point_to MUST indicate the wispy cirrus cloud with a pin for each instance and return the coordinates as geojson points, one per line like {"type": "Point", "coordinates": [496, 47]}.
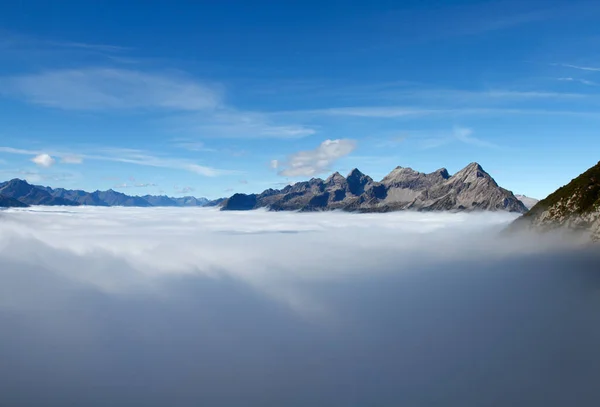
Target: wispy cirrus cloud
{"type": "Point", "coordinates": [197, 146]}
{"type": "Point", "coordinates": [229, 123]}
{"type": "Point", "coordinates": [458, 134]}
{"type": "Point", "coordinates": [582, 81]}
{"type": "Point", "coordinates": [112, 88]}
{"type": "Point", "coordinates": [200, 106]}
{"type": "Point", "coordinates": [580, 67]}
{"type": "Point", "coordinates": [141, 157]}
{"type": "Point", "coordinates": [11, 39]}
{"type": "Point", "coordinates": [128, 156]}
{"type": "Point", "coordinates": [313, 162]}
{"type": "Point", "coordinates": [395, 112]}
{"type": "Point", "coordinates": [39, 176]}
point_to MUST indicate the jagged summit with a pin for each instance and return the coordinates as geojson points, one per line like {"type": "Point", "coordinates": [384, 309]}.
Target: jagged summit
{"type": "Point", "coordinates": [355, 173]}
{"type": "Point", "coordinates": [403, 188]}
{"type": "Point", "coordinates": [474, 166]}
{"type": "Point", "coordinates": [335, 177]}
{"type": "Point", "coordinates": [443, 173]}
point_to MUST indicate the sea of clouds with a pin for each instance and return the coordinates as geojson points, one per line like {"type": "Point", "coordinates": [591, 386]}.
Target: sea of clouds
{"type": "Point", "coordinates": [193, 306]}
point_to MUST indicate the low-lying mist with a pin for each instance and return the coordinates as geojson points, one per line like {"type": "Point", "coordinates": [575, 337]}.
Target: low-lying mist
{"type": "Point", "coordinates": [196, 307]}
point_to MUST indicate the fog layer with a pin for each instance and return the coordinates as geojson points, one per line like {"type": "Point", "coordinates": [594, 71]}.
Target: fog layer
{"type": "Point", "coordinates": [190, 306]}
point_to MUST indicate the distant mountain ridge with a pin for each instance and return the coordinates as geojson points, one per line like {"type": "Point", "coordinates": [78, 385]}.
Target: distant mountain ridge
{"type": "Point", "coordinates": [527, 201]}
{"type": "Point", "coordinates": [575, 206]}
{"type": "Point", "coordinates": [20, 191]}
{"type": "Point", "coordinates": [402, 189]}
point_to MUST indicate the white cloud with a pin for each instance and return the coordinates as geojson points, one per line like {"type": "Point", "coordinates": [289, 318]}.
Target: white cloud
{"type": "Point", "coordinates": [203, 299]}
{"type": "Point", "coordinates": [174, 242]}
{"type": "Point", "coordinates": [107, 88]}
{"type": "Point", "coordinates": [582, 68]}
{"type": "Point", "coordinates": [43, 160]}
{"type": "Point", "coordinates": [317, 161]}
{"type": "Point", "coordinates": [274, 164]}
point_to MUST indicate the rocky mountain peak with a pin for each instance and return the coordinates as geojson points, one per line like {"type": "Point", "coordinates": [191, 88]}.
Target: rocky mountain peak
{"type": "Point", "coordinates": [17, 184]}
{"type": "Point", "coordinates": [335, 178]}
{"type": "Point", "coordinates": [471, 173]}
{"type": "Point", "coordinates": [443, 172]}
{"type": "Point", "coordinates": [402, 189]}
{"type": "Point", "coordinates": [398, 174]}
{"type": "Point", "coordinates": [355, 173]}
{"type": "Point", "coordinates": [357, 181]}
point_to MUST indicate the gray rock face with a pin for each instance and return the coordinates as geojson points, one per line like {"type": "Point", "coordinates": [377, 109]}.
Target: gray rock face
{"type": "Point", "coordinates": [404, 188]}
{"type": "Point", "coordinates": [573, 207]}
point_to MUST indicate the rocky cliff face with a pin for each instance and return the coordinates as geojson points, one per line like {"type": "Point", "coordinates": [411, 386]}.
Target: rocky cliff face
{"type": "Point", "coordinates": [404, 188]}
{"type": "Point", "coordinates": [575, 207]}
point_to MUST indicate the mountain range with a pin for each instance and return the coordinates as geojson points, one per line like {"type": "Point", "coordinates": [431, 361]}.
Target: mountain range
{"type": "Point", "coordinates": [527, 201]}
{"type": "Point", "coordinates": [402, 189]}
{"type": "Point", "coordinates": [16, 192]}
{"type": "Point", "coordinates": [575, 207]}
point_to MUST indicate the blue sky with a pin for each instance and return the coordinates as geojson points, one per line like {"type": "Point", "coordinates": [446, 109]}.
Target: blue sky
{"type": "Point", "coordinates": [206, 98]}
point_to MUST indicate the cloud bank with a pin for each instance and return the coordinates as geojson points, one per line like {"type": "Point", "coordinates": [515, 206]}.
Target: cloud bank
{"type": "Point", "coordinates": [192, 306]}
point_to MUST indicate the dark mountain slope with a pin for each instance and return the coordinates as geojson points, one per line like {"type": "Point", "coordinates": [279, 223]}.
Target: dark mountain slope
{"type": "Point", "coordinates": [575, 206]}
{"type": "Point", "coordinates": [30, 194]}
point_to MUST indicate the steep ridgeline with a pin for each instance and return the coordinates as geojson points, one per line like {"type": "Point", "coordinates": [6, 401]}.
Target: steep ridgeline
{"type": "Point", "coordinates": [30, 194]}
{"type": "Point", "coordinates": [39, 195]}
{"type": "Point", "coordinates": [469, 189]}
{"type": "Point", "coordinates": [575, 206]}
